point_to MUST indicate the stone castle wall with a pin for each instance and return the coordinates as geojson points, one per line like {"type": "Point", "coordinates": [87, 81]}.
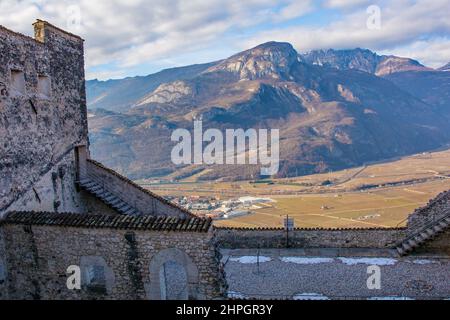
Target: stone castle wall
{"type": "Point", "coordinates": [43, 127]}
{"type": "Point", "coordinates": [38, 257]}
{"type": "Point", "coordinates": [42, 119]}
{"type": "Point", "coordinates": [54, 191]}
{"type": "Point", "coordinates": [42, 112]}
{"type": "Point", "coordinates": [137, 197]}
{"type": "Point", "coordinates": [93, 205]}
{"type": "Point", "coordinates": [435, 210]}
{"type": "Point", "coordinates": [309, 238]}
{"type": "Point", "coordinates": [44, 152]}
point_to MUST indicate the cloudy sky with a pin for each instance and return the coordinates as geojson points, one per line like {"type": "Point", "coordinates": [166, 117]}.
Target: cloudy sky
{"type": "Point", "coordinates": [138, 37]}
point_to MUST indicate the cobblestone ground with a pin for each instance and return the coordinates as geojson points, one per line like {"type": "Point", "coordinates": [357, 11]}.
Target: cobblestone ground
{"type": "Point", "coordinates": [285, 276]}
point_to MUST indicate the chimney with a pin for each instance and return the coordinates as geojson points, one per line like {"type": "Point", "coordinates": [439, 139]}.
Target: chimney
{"type": "Point", "coordinates": [44, 31]}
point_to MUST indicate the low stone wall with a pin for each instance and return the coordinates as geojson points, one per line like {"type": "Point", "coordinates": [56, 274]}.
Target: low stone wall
{"type": "Point", "coordinates": [137, 197]}
{"type": "Point", "coordinates": [309, 238]}
{"type": "Point", "coordinates": [38, 256]}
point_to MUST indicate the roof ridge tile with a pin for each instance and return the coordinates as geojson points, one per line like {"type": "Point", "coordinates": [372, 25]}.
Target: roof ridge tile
{"type": "Point", "coordinates": [91, 221]}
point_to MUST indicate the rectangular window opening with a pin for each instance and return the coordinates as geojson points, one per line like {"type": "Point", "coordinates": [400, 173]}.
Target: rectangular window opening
{"type": "Point", "coordinates": [44, 86]}
{"type": "Point", "coordinates": [18, 82]}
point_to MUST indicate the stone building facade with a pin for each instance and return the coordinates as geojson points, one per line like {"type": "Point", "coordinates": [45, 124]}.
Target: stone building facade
{"type": "Point", "coordinates": [59, 208]}
{"type": "Point", "coordinates": [130, 253]}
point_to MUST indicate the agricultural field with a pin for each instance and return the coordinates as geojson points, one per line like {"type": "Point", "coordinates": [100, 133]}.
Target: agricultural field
{"type": "Point", "coordinates": [376, 195]}
{"type": "Point", "coordinates": [387, 207]}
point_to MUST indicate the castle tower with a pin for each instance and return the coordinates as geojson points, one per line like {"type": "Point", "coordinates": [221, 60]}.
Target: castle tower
{"type": "Point", "coordinates": [44, 154]}
{"type": "Point", "coordinates": [43, 118]}
{"type": "Point", "coordinates": [45, 168]}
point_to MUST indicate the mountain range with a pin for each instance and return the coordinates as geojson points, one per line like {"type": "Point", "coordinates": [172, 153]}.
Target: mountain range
{"type": "Point", "coordinates": [334, 108]}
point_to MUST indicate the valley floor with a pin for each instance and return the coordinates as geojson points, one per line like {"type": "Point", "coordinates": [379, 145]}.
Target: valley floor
{"type": "Point", "coordinates": [384, 207]}
{"type": "Point", "coordinates": [376, 195]}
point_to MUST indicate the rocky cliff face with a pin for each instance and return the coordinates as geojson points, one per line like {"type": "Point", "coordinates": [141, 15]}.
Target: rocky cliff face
{"type": "Point", "coordinates": [391, 64]}
{"type": "Point", "coordinates": [120, 95]}
{"type": "Point", "coordinates": [167, 93]}
{"type": "Point", "coordinates": [363, 60]}
{"type": "Point", "coordinates": [332, 108]}
{"type": "Point", "coordinates": [359, 59]}
{"type": "Point", "coordinates": [271, 60]}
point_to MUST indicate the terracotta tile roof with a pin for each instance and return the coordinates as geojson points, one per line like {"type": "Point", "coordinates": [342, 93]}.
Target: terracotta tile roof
{"type": "Point", "coordinates": [123, 222]}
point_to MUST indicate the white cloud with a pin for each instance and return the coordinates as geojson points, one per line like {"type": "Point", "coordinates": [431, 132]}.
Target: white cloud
{"type": "Point", "coordinates": [294, 9]}
{"type": "Point", "coordinates": [344, 3]}
{"type": "Point", "coordinates": [110, 74]}
{"type": "Point", "coordinates": [432, 52]}
{"type": "Point", "coordinates": [124, 34]}
{"type": "Point", "coordinates": [128, 33]}
{"type": "Point", "coordinates": [402, 24]}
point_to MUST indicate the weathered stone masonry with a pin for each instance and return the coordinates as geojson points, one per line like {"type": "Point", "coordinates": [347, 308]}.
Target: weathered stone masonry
{"type": "Point", "coordinates": [139, 198]}
{"type": "Point", "coordinates": [41, 246]}
{"type": "Point", "coordinates": [44, 143]}
{"type": "Point", "coordinates": [42, 112]}
{"type": "Point", "coordinates": [428, 228]}
{"type": "Point", "coordinates": [309, 238]}
{"type": "Point", "coordinates": [76, 211]}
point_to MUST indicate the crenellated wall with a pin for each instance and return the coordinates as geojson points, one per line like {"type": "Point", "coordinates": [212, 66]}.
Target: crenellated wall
{"type": "Point", "coordinates": [42, 114]}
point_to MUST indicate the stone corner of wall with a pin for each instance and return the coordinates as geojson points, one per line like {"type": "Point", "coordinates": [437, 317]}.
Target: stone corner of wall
{"type": "Point", "coordinates": [42, 30]}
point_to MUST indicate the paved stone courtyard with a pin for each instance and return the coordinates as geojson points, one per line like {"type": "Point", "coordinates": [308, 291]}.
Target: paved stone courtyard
{"type": "Point", "coordinates": [331, 274]}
